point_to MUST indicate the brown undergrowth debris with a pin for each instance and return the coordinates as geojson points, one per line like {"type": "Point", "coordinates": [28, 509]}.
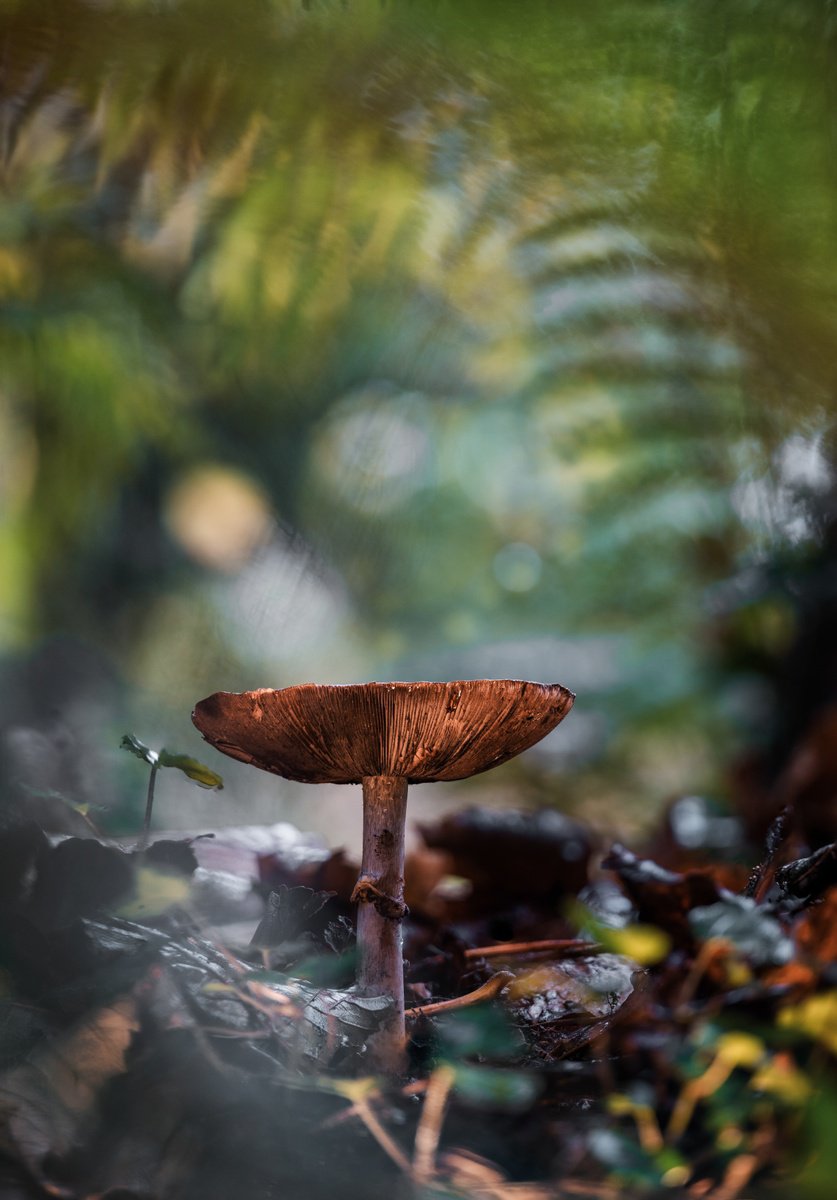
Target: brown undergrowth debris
{"type": "Point", "coordinates": [688, 1050]}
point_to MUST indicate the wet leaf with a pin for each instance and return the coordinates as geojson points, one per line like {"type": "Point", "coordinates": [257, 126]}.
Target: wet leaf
{"type": "Point", "coordinates": [595, 987]}
{"type": "Point", "coordinates": [662, 898]}
{"type": "Point", "coordinates": [288, 916]}
{"type": "Point", "coordinates": [738, 920]}
{"type": "Point", "coordinates": [340, 935]}
{"type": "Point", "coordinates": [316, 1022]}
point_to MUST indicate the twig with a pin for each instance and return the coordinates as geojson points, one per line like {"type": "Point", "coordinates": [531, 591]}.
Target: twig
{"type": "Point", "coordinates": [430, 1126]}
{"type": "Point", "coordinates": [488, 990]}
{"type": "Point", "coordinates": [736, 1177]}
{"type": "Point", "coordinates": [367, 1114]}
{"type": "Point", "coordinates": [566, 946]}
{"type": "Point", "coordinates": [711, 949]}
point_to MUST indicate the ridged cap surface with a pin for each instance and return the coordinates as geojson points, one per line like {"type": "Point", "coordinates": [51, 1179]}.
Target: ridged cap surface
{"type": "Point", "coordinates": [421, 731]}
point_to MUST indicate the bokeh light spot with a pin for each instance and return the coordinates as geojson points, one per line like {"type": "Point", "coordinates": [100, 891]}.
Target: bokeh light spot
{"type": "Point", "coordinates": [219, 516]}
{"type": "Point", "coordinates": [374, 450]}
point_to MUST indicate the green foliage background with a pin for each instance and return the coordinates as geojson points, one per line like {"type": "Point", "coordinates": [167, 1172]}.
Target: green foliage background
{"type": "Point", "coordinates": [518, 320]}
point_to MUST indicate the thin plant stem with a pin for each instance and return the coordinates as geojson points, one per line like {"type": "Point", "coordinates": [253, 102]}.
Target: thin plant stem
{"type": "Point", "coordinates": [149, 805]}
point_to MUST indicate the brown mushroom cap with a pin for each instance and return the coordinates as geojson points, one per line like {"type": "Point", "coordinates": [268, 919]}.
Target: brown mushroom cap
{"type": "Point", "coordinates": [419, 731]}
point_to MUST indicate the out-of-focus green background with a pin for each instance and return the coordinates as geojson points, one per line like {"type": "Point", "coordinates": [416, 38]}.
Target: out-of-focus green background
{"type": "Point", "coordinates": [368, 340]}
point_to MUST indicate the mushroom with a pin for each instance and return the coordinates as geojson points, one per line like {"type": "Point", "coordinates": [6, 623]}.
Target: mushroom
{"type": "Point", "coordinates": [383, 736]}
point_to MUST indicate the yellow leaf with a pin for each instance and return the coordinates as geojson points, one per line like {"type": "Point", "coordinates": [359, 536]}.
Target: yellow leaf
{"type": "Point", "coordinates": [816, 1017]}
{"type": "Point", "coordinates": [154, 892]}
{"type": "Point", "coordinates": [740, 1050]}
{"type": "Point", "coordinates": [645, 944]}
{"type": "Point", "coordinates": [783, 1078]}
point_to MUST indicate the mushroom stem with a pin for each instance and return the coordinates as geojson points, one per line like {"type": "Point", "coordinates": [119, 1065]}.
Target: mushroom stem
{"type": "Point", "coordinates": [380, 898]}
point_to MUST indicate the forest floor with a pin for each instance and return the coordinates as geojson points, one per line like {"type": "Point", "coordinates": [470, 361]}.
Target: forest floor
{"type": "Point", "coordinates": [583, 1021]}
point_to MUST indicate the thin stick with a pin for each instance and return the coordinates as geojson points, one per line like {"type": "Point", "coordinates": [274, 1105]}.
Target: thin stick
{"type": "Point", "coordinates": [370, 1119]}
{"type": "Point", "coordinates": [430, 1126]}
{"type": "Point", "coordinates": [566, 946]}
{"type": "Point", "coordinates": [710, 950]}
{"type": "Point", "coordinates": [488, 990]}
{"type": "Point", "coordinates": [360, 1095]}
{"type": "Point", "coordinates": [409, 1089]}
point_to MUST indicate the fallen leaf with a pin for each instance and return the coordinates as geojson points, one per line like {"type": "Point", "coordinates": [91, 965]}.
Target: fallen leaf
{"type": "Point", "coordinates": [513, 854]}
{"type": "Point", "coordinates": [45, 1100]}
{"type": "Point", "coordinates": [77, 878]}
{"type": "Point", "coordinates": [816, 1017]}
{"type": "Point", "coordinates": [594, 987]}
{"type": "Point", "coordinates": [154, 893]}
{"type": "Point", "coordinates": [288, 916]}
{"type": "Point", "coordinates": [662, 898]}
{"type": "Point", "coordinates": [756, 935]}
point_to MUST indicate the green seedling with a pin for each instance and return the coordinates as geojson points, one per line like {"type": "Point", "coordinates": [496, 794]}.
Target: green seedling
{"type": "Point", "coordinates": [191, 768]}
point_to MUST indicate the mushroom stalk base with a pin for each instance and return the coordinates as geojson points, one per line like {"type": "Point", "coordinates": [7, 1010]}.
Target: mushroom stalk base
{"type": "Point", "coordinates": [380, 898]}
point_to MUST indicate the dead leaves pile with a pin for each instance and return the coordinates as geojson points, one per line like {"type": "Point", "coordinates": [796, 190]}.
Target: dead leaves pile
{"type": "Point", "coordinates": [588, 1025]}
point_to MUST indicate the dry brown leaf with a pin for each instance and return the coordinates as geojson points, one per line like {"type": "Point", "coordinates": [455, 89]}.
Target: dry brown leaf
{"type": "Point", "coordinates": [44, 1100]}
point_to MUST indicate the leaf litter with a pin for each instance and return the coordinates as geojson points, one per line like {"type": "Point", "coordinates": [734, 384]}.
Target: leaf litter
{"type": "Point", "coordinates": [618, 1027]}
